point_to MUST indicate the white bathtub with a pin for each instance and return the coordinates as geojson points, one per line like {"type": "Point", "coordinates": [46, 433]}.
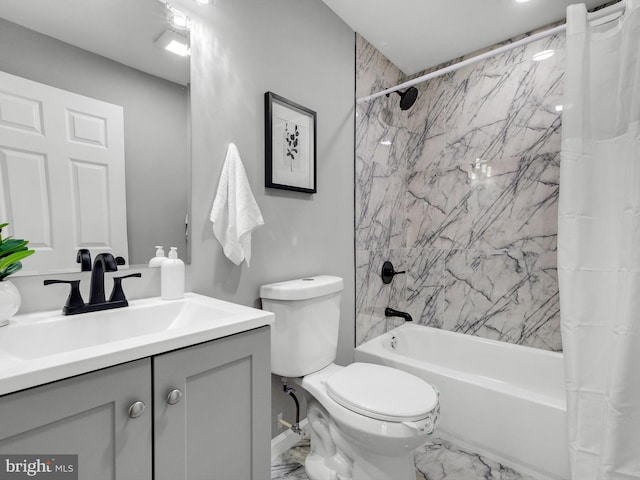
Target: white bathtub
{"type": "Point", "coordinates": [501, 400]}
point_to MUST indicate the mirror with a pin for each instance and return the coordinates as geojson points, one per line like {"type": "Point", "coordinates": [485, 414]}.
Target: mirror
{"type": "Point", "coordinates": [107, 50]}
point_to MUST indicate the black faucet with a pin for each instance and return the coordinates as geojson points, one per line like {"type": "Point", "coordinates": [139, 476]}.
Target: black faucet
{"type": "Point", "coordinates": [390, 312]}
{"type": "Point", "coordinates": [104, 262]}
{"type": "Point", "coordinates": [84, 259]}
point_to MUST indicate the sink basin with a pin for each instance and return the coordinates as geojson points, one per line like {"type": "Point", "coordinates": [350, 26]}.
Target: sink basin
{"type": "Point", "coordinates": [39, 335]}
{"type": "Point", "coordinates": [48, 346]}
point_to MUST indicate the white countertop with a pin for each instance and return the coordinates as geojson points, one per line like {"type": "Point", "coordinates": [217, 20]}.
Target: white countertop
{"type": "Point", "coordinates": [44, 347]}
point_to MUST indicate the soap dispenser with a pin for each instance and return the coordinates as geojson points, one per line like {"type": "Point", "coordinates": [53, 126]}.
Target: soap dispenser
{"type": "Point", "coordinates": [172, 277]}
{"type": "Point", "coordinates": [159, 258]}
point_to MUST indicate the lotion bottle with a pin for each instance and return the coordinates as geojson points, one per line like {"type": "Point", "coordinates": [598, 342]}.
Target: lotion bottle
{"type": "Point", "coordinates": [172, 277]}
{"type": "Point", "coordinates": [159, 258]}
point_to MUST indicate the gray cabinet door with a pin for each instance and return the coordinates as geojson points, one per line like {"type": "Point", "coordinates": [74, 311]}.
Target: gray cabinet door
{"type": "Point", "coordinates": [88, 416]}
{"type": "Point", "coordinates": [219, 429]}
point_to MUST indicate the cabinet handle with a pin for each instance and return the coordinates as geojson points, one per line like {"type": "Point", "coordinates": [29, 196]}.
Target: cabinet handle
{"type": "Point", "coordinates": [174, 397]}
{"type": "Point", "coordinates": [136, 409]}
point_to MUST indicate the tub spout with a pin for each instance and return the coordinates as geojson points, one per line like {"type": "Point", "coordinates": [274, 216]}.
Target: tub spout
{"type": "Point", "coordinates": [390, 312]}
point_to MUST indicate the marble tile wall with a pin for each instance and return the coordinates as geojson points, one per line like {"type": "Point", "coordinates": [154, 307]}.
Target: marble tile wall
{"type": "Point", "coordinates": [480, 254]}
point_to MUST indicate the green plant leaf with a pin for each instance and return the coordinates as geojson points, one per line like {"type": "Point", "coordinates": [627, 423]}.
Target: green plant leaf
{"type": "Point", "coordinates": [14, 257]}
{"type": "Point", "coordinates": [12, 251]}
{"type": "Point", "coordinates": [13, 268]}
{"type": "Point", "coordinates": [12, 245]}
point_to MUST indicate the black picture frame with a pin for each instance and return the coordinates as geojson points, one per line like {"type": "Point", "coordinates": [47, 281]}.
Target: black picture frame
{"type": "Point", "coordinates": [290, 145]}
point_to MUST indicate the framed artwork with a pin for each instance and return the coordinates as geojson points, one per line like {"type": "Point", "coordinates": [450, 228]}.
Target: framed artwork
{"type": "Point", "coordinates": [290, 145]}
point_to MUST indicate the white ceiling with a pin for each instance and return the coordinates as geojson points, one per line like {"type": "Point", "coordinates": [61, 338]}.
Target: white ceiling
{"type": "Point", "coordinates": [121, 30]}
{"type": "Point", "coordinates": [413, 34]}
{"type": "Point", "coordinates": [418, 34]}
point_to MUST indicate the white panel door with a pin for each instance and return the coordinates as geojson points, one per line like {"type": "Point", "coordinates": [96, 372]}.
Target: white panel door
{"type": "Point", "coordinates": [62, 173]}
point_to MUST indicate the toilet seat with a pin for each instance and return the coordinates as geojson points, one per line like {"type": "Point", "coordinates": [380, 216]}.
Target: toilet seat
{"type": "Point", "coordinates": [381, 392]}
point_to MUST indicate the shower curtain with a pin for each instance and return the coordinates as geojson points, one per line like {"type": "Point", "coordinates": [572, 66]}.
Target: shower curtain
{"type": "Point", "coordinates": [599, 244]}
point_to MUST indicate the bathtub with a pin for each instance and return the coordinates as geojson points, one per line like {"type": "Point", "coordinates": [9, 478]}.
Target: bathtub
{"type": "Point", "coordinates": [500, 400]}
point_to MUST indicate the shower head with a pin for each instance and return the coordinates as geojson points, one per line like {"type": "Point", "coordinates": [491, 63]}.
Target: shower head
{"type": "Point", "coordinates": [407, 98]}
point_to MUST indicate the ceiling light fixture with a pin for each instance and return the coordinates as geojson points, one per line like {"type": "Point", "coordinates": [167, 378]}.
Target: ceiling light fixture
{"type": "Point", "coordinates": [174, 42]}
{"type": "Point", "coordinates": [178, 48]}
{"type": "Point", "coordinates": [177, 19]}
{"type": "Point", "coordinates": [543, 55]}
{"type": "Point", "coordinates": [204, 2]}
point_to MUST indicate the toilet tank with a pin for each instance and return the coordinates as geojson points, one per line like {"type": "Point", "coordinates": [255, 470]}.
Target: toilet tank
{"type": "Point", "coordinates": [304, 337]}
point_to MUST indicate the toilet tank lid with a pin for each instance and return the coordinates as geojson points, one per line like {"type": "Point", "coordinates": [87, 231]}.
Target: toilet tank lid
{"type": "Point", "coordinates": [302, 288]}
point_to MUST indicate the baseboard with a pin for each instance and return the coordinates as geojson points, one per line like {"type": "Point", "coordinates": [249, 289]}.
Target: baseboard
{"type": "Point", "coordinates": [286, 440]}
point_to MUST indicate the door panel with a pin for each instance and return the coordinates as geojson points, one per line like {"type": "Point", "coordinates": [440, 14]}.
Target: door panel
{"type": "Point", "coordinates": [220, 428]}
{"type": "Point", "coordinates": [72, 183]}
{"type": "Point", "coordinates": [85, 416]}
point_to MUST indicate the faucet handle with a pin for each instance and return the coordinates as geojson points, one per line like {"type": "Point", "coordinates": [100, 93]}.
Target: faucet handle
{"type": "Point", "coordinates": [117, 294]}
{"type": "Point", "coordinates": [388, 272]}
{"type": "Point", "coordinates": [74, 301]}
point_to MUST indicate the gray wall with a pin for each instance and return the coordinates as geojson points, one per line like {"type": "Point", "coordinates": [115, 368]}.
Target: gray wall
{"type": "Point", "coordinates": [156, 129]}
{"type": "Point", "coordinates": [300, 50]}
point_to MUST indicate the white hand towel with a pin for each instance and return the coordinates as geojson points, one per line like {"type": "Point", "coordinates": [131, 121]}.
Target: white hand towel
{"type": "Point", "coordinates": [235, 213]}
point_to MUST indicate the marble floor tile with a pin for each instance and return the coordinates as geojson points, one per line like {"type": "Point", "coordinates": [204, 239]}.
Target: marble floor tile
{"type": "Point", "coordinates": [440, 460]}
{"type": "Point", "coordinates": [290, 465]}
{"type": "Point", "coordinates": [435, 460]}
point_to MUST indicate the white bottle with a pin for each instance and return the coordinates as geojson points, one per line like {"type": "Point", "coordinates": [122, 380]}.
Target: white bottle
{"type": "Point", "coordinates": [172, 277]}
{"type": "Point", "coordinates": [159, 258]}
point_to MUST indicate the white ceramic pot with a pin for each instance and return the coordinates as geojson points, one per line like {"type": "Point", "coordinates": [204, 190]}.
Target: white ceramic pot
{"type": "Point", "coordinates": [9, 301]}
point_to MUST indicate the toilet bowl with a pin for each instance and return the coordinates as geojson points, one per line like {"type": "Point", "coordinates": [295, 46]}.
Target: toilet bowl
{"type": "Point", "coordinates": [365, 419]}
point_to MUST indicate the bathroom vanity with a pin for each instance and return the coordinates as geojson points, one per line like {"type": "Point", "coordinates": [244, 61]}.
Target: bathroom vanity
{"type": "Point", "coordinates": [190, 399]}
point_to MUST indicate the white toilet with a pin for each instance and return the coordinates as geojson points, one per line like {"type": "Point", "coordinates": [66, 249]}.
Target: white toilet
{"type": "Point", "coordinates": [365, 419]}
